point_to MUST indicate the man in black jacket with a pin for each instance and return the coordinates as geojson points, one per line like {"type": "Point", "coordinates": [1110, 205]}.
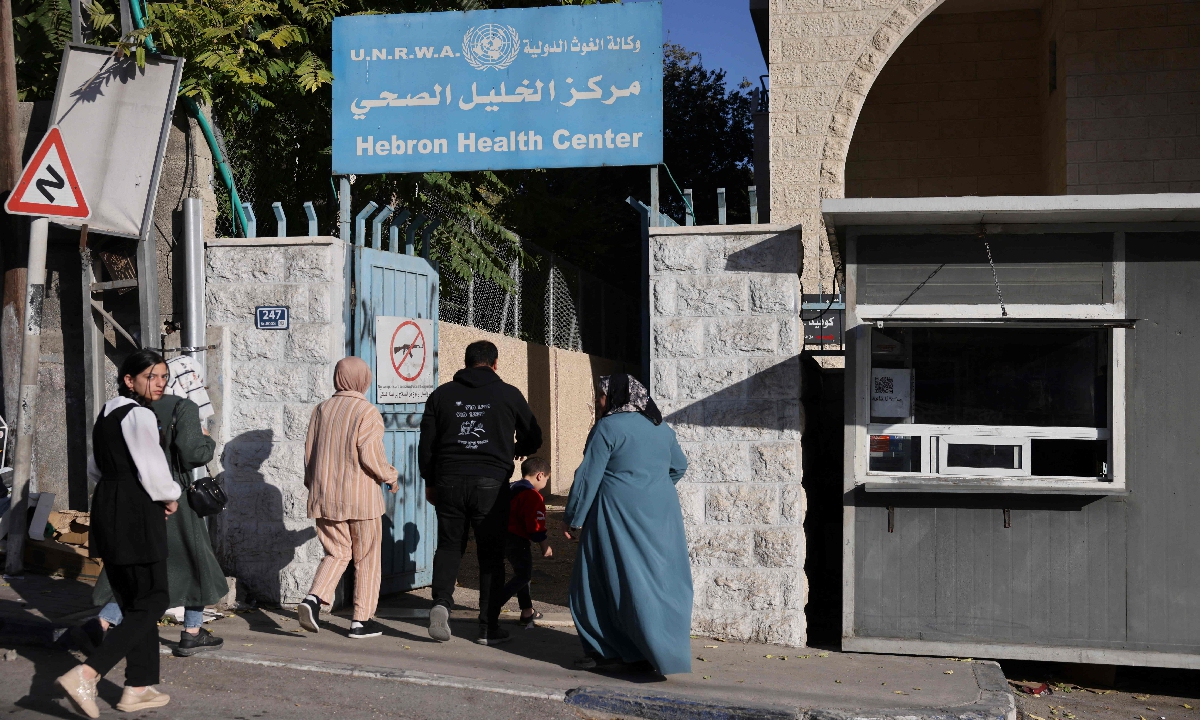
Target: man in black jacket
{"type": "Point", "coordinates": [466, 457]}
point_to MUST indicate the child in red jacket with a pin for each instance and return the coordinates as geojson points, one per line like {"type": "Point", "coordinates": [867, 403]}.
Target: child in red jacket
{"type": "Point", "coordinates": [526, 523]}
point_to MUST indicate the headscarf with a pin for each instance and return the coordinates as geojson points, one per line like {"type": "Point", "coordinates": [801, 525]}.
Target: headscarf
{"type": "Point", "coordinates": [626, 394]}
{"type": "Point", "coordinates": [353, 374]}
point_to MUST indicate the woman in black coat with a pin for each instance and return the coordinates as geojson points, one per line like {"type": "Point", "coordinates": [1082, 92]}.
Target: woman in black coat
{"type": "Point", "coordinates": [134, 495]}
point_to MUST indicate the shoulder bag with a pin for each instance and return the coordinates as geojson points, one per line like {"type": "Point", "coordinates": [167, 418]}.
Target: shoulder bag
{"type": "Point", "coordinates": [205, 496]}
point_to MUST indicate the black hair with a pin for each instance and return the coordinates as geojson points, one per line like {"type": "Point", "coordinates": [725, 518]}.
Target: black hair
{"type": "Point", "coordinates": [135, 364]}
{"type": "Point", "coordinates": [533, 465]}
{"type": "Point", "coordinates": [481, 352]}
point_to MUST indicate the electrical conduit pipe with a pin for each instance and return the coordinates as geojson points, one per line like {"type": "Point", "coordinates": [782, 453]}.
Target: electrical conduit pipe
{"type": "Point", "coordinates": [139, 20]}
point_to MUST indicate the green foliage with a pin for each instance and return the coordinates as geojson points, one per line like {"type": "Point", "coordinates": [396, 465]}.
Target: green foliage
{"type": "Point", "coordinates": [41, 30]}
{"type": "Point", "coordinates": [708, 138]}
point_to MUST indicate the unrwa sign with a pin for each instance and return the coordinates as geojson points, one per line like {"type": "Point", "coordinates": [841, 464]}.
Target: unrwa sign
{"type": "Point", "coordinates": [498, 89]}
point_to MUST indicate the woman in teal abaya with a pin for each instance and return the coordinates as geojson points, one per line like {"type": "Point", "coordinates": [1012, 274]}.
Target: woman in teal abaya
{"type": "Point", "coordinates": [631, 590]}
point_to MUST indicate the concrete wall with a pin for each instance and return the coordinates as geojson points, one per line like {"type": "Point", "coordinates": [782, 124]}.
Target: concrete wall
{"type": "Point", "coordinates": [265, 384]}
{"type": "Point", "coordinates": [725, 369]}
{"type": "Point", "coordinates": [559, 385]}
{"type": "Point", "coordinates": [956, 111]}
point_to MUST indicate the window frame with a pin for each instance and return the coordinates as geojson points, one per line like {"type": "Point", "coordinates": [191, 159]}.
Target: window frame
{"type": "Point", "coordinates": [862, 320]}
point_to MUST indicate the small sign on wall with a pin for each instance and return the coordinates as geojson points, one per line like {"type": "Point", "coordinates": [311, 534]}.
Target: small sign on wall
{"type": "Point", "coordinates": [891, 392]}
{"type": "Point", "coordinates": [403, 359]}
{"type": "Point", "coordinates": [272, 317]}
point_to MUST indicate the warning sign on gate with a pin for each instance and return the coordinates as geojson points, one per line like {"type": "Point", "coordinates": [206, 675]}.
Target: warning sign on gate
{"type": "Point", "coordinates": [404, 359]}
{"type": "Point", "coordinates": [48, 186]}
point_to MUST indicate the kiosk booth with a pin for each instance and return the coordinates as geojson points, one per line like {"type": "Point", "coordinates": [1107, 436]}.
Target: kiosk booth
{"type": "Point", "coordinates": [1022, 470]}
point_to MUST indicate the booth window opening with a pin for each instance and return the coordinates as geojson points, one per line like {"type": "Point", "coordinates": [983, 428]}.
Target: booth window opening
{"type": "Point", "coordinates": [990, 402]}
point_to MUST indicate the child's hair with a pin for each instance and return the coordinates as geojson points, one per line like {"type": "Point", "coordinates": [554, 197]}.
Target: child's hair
{"type": "Point", "coordinates": [534, 465]}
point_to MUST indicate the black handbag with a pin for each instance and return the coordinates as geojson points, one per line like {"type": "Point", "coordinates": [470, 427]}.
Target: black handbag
{"type": "Point", "coordinates": [204, 495]}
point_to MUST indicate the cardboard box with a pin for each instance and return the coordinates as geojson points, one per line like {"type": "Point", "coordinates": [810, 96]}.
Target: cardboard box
{"type": "Point", "coordinates": [49, 557]}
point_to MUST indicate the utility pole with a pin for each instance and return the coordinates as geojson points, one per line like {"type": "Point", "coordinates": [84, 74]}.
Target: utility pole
{"type": "Point", "coordinates": [12, 305]}
{"type": "Point", "coordinates": [30, 352]}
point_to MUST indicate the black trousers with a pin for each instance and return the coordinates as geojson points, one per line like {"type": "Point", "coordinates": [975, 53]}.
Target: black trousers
{"type": "Point", "coordinates": [141, 591]}
{"type": "Point", "coordinates": [480, 504]}
{"type": "Point", "coordinates": [520, 557]}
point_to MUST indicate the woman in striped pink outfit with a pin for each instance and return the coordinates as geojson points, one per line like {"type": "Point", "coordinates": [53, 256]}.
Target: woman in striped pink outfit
{"type": "Point", "coordinates": [344, 466]}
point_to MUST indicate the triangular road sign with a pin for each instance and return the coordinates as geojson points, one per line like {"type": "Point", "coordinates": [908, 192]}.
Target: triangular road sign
{"type": "Point", "coordinates": [48, 187]}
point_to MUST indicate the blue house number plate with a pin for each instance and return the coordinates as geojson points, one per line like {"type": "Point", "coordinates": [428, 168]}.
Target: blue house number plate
{"type": "Point", "coordinates": [271, 317]}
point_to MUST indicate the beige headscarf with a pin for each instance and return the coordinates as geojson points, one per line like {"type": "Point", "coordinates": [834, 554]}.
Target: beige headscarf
{"type": "Point", "coordinates": [352, 373]}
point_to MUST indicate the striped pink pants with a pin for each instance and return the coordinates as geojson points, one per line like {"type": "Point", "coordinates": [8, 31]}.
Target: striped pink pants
{"type": "Point", "coordinates": [343, 540]}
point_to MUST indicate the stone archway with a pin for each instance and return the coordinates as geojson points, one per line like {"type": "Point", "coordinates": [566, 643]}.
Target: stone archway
{"type": "Point", "coordinates": [824, 57]}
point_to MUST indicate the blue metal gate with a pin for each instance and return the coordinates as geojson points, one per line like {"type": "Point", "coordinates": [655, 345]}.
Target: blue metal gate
{"type": "Point", "coordinates": [386, 282]}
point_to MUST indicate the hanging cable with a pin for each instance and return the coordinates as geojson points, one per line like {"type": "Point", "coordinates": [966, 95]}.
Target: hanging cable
{"type": "Point", "coordinates": [223, 169]}
{"type": "Point", "coordinates": [995, 279]}
{"type": "Point", "coordinates": [688, 205]}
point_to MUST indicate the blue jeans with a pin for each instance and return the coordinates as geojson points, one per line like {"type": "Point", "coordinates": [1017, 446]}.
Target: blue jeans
{"type": "Point", "coordinates": [193, 617]}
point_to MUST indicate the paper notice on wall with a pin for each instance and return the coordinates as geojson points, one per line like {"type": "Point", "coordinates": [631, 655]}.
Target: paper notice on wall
{"type": "Point", "coordinates": [891, 392]}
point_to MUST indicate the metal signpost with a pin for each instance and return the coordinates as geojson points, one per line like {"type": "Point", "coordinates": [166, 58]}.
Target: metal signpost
{"type": "Point", "coordinates": [498, 89]}
{"type": "Point", "coordinates": [47, 188]}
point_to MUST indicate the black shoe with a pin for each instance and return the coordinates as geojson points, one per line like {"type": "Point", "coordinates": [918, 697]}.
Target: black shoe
{"type": "Point", "coordinates": [308, 613]}
{"type": "Point", "coordinates": [190, 644]}
{"type": "Point", "coordinates": [492, 635]}
{"type": "Point", "coordinates": [368, 629]}
{"type": "Point", "coordinates": [89, 636]}
{"type": "Point", "coordinates": [527, 621]}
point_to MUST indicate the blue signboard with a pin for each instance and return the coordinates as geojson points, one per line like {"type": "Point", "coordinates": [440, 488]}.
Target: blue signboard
{"type": "Point", "coordinates": [272, 317]}
{"type": "Point", "coordinates": [498, 89]}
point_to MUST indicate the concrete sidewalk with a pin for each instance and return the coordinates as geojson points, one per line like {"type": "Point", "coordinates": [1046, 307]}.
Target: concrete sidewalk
{"type": "Point", "coordinates": [729, 680]}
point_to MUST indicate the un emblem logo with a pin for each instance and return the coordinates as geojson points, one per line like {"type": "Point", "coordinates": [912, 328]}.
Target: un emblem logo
{"type": "Point", "coordinates": [490, 46]}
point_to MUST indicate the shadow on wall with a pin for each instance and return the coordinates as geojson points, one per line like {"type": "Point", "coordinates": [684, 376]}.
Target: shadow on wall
{"type": "Point", "coordinates": [768, 399]}
{"type": "Point", "coordinates": [777, 254]}
{"type": "Point", "coordinates": [252, 540]}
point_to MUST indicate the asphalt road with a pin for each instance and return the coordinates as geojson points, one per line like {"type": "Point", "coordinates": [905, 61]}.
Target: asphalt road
{"type": "Point", "coordinates": [1130, 694]}
{"type": "Point", "coordinates": [204, 689]}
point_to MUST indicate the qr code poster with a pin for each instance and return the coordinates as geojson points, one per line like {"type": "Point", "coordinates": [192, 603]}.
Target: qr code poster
{"type": "Point", "coordinates": [404, 355]}
{"type": "Point", "coordinates": [891, 392]}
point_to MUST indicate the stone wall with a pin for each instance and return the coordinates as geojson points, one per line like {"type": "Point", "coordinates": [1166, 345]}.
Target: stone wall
{"type": "Point", "coordinates": [265, 384]}
{"type": "Point", "coordinates": [725, 369]}
{"type": "Point", "coordinates": [956, 111]}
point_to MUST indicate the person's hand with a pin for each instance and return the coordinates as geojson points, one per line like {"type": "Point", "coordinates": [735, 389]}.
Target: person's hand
{"type": "Point", "coordinates": [170, 507]}
{"type": "Point", "coordinates": [520, 458]}
{"type": "Point", "coordinates": [394, 486]}
{"type": "Point", "coordinates": [547, 551]}
{"type": "Point", "coordinates": [431, 495]}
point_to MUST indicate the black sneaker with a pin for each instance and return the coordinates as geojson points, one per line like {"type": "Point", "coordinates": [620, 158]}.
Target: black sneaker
{"type": "Point", "coordinates": [492, 635]}
{"type": "Point", "coordinates": [367, 630]}
{"type": "Point", "coordinates": [190, 644]}
{"type": "Point", "coordinates": [89, 636]}
{"type": "Point", "coordinates": [308, 612]}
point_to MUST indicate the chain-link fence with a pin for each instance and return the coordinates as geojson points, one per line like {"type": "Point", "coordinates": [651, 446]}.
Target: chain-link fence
{"type": "Point", "coordinates": [552, 302]}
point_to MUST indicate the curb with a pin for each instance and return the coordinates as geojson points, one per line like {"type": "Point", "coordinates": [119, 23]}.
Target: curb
{"type": "Point", "coordinates": [995, 700]}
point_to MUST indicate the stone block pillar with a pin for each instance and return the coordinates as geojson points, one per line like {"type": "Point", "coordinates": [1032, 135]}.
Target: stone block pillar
{"type": "Point", "coordinates": [264, 385]}
{"type": "Point", "coordinates": [725, 344]}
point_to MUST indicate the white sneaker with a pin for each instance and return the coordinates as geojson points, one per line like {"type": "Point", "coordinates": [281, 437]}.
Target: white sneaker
{"type": "Point", "coordinates": [439, 623]}
{"type": "Point", "coordinates": [145, 700]}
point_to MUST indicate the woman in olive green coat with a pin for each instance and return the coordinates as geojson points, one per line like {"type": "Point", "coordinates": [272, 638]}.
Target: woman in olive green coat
{"type": "Point", "coordinates": [194, 576]}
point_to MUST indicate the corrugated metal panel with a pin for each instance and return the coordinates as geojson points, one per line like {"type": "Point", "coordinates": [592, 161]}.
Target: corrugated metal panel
{"type": "Point", "coordinates": [1052, 269]}
{"type": "Point", "coordinates": [391, 284]}
{"type": "Point", "coordinates": [1163, 277]}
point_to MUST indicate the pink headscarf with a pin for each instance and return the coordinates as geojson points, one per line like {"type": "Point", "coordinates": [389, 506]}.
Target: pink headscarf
{"type": "Point", "coordinates": [352, 373]}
